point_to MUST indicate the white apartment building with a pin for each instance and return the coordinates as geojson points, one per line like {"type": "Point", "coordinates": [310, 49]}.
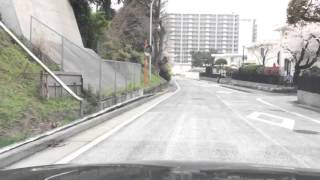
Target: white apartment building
{"type": "Point", "coordinates": [201, 32]}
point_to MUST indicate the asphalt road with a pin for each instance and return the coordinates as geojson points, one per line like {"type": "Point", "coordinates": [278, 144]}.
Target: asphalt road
{"type": "Point", "coordinates": [202, 121]}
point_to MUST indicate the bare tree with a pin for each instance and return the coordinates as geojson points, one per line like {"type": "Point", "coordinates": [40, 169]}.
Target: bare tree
{"type": "Point", "coordinates": [263, 51]}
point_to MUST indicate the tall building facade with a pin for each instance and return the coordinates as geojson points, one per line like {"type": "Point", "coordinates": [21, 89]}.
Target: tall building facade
{"type": "Point", "coordinates": [247, 32]}
{"type": "Point", "coordinates": [202, 32]}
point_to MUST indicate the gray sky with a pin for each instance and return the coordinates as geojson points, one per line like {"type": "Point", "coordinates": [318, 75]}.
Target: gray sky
{"type": "Point", "coordinates": [269, 13]}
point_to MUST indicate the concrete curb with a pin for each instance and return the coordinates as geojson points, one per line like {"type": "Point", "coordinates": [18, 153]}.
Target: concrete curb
{"type": "Point", "coordinates": [308, 107]}
{"type": "Point", "coordinates": [19, 151]}
{"type": "Point", "coordinates": [253, 86]}
{"type": "Point", "coordinates": [268, 89]}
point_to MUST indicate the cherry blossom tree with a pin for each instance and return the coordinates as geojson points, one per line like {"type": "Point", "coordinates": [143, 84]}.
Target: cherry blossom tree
{"type": "Point", "coordinates": [302, 41]}
{"type": "Point", "coordinates": [303, 10]}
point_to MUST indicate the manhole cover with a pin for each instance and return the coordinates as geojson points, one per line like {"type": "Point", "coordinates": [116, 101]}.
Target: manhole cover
{"type": "Point", "coordinates": [306, 131]}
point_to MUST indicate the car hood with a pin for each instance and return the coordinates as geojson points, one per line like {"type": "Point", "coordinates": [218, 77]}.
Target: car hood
{"type": "Point", "coordinates": [158, 170]}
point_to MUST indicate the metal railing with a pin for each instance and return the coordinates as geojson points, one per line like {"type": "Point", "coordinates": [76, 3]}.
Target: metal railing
{"type": "Point", "coordinates": [43, 66]}
{"type": "Point", "coordinates": [104, 78]}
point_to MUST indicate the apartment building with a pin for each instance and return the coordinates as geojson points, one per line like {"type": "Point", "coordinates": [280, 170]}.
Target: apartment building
{"type": "Point", "coordinates": [201, 32]}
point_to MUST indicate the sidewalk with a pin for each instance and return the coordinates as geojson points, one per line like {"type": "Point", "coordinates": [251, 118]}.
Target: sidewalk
{"type": "Point", "coordinates": [254, 85]}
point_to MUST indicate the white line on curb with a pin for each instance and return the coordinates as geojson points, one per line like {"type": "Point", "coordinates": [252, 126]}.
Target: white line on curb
{"type": "Point", "coordinates": [98, 140]}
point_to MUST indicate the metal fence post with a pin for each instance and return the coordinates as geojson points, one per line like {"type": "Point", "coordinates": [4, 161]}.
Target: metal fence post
{"type": "Point", "coordinates": [81, 108]}
{"type": "Point", "coordinates": [133, 77]}
{"type": "Point", "coordinates": [31, 20]}
{"type": "Point", "coordinates": [115, 82]}
{"type": "Point", "coordinates": [62, 53]}
{"type": "Point", "coordinates": [100, 84]}
{"type": "Point", "coordinates": [126, 79]}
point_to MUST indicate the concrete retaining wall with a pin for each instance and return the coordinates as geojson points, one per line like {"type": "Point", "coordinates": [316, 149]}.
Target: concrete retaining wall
{"type": "Point", "coordinates": [9, 16]}
{"type": "Point", "coordinates": [57, 14]}
{"type": "Point", "coordinates": [308, 98]}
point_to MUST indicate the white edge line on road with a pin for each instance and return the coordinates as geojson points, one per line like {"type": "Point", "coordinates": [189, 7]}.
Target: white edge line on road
{"type": "Point", "coordinates": [264, 134]}
{"type": "Point", "coordinates": [213, 84]}
{"type": "Point", "coordinates": [103, 137]}
{"type": "Point", "coordinates": [287, 111]}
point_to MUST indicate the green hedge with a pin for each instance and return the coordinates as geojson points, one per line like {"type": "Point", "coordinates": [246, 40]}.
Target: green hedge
{"type": "Point", "coordinates": [251, 69]}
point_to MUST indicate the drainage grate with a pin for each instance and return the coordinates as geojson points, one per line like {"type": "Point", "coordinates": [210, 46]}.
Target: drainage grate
{"type": "Point", "coordinates": [306, 131]}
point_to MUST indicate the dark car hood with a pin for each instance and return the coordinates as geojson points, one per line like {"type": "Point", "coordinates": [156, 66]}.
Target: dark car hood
{"type": "Point", "coordinates": [159, 170]}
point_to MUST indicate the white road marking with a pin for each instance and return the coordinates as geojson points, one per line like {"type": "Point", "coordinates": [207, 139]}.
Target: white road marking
{"type": "Point", "coordinates": [207, 85]}
{"type": "Point", "coordinates": [287, 111]}
{"type": "Point", "coordinates": [272, 140]}
{"type": "Point", "coordinates": [98, 140]}
{"type": "Point", "coordinates": [224, 92]}
{"type": "Point", "coordinates": [284, 122]}
{"type": "Point", "coordinates": [59, 175]}
{"type": "Point", "coordinates": [236, 91]}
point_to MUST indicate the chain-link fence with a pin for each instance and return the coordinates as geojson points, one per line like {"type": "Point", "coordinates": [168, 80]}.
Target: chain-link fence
{"type": "Point", "coordinates": [107, 79]}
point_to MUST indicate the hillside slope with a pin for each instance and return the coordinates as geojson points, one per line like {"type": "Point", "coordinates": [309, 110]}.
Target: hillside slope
{"type": "Point", "coordinates": [22, 112]}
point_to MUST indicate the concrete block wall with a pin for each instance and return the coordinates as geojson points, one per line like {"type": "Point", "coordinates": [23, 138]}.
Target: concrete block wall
{"type": "Point", "coordinates": [57, 14]}
{"type": "Point", "coordinates": [308, 98]}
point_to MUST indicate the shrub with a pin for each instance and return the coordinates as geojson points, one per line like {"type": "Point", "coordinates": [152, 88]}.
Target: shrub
{"type": "Point", "coordinates": [165, 72]}
{"type": "Point", "coordinates": [273, 71]}
{"type": "Point", "coordinates": [208, 70]}
{"type": "Point", "coordinates": [221, 62]}
{"type": "Point", "coordinates": [250, 69]}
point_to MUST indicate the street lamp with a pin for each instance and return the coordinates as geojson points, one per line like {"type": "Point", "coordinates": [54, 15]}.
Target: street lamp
{"type": "Point", "coordinates": [150, 37]}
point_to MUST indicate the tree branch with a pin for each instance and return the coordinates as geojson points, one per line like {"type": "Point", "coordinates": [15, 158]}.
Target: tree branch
{"type": "Point", "coordinates": [314, 60]}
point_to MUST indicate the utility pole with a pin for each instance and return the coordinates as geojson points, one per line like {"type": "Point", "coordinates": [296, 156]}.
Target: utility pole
{"type": "Point", "coordinates": [243, 54]}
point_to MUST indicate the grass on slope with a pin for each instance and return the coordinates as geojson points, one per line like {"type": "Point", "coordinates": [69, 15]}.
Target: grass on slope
{"type": "Point", "coordinates": [22, 112]}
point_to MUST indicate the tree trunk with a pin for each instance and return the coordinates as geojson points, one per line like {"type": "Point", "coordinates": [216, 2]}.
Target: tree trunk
{"type": "Point", "coordinates": [296, 75]}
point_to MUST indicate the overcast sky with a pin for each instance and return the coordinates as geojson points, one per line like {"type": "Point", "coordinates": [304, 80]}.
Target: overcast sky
{"type": "Point", "coordinates": [269, 13]}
